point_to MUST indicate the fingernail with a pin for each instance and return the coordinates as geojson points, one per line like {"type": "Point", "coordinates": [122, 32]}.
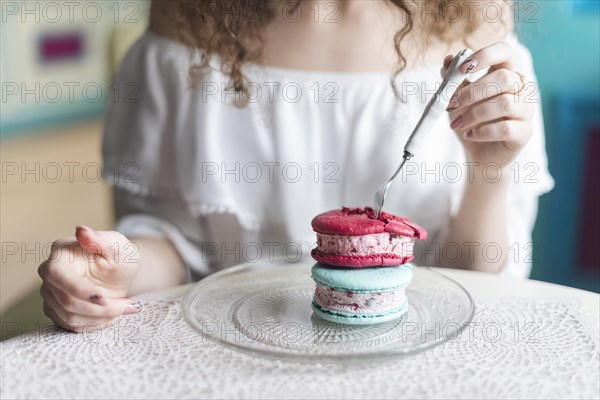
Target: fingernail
{"type": "Point", "coordinates": [468, 65]}
{"type": "Point", "coordinates": [453, 104]}
{"type": "Point", "coordinates": [457, 123]}
{"type": "Point", "coordinates": [468, 135]}
{"type": "Point", "coordinates": [133, 308]}
{"type": "Point", "coordinates": [98, 299]}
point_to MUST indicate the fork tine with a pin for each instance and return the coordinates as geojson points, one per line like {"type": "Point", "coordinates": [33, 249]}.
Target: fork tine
{"type": "Point", "coordinates": [383, 188]}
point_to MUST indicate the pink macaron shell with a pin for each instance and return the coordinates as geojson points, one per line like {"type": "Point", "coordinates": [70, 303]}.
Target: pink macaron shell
{"type": "Point", "coordinates": [362, 221]}
{"type": "Point", "coordinates": [406, 228]}
{"type": "Point", "coordinates": [354, 261]}
{"type": "Point", "coordinates": [338, 222]}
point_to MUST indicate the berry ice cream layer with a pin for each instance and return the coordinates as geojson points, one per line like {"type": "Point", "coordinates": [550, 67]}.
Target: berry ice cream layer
{"type": "Point", "coordinates": [364, 245]}
{"type": "Point", "coordinates": [358, 303]}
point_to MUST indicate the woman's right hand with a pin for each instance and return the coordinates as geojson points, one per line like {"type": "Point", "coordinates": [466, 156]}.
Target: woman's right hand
{"type": "Point", "coordinates": [86, 279]}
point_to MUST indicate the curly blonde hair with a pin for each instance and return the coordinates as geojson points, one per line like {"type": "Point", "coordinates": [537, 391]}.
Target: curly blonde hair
{"type": "Point", "coordinates": [216, 28]}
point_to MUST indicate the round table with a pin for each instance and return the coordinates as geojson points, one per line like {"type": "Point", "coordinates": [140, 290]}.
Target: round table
{"type": "Point", "coordinates": [156, 354]}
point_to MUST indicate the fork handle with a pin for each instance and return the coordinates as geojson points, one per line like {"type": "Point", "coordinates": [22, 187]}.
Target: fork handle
{"type": "Point", "coordinates": [421, 131]}
{"type": "Point", "coordinates": [438, 103]}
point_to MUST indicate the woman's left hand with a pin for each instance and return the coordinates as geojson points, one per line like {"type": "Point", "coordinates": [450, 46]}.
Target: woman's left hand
{"type": "Point", "coordinates": [492, 120]}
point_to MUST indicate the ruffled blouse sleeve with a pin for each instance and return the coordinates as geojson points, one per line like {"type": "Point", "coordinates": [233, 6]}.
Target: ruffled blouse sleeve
{"type": "Point", "coordinates": [140, 156]}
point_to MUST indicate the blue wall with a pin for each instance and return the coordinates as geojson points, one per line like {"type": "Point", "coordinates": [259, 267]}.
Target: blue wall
{"type": "Point", "coordinates": [565, 44]}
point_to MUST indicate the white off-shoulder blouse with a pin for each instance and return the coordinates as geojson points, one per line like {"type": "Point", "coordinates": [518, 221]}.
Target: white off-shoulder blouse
{"type": "Point", "coordinates": [229, 184]}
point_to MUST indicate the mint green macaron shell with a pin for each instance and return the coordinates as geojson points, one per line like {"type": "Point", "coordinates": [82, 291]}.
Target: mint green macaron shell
{"type": "Point", "coordinates": [372, 279]}
{"type": "Point", "coordinates": [358, 319]}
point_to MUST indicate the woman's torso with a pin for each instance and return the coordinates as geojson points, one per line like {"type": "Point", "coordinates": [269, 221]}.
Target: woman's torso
{"type": "Point", "coordinates": [228, 176]}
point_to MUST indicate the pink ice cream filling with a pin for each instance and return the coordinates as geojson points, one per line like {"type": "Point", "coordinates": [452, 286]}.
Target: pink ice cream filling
{"type": "Point", "coordinates": [376, 243]}
{"type": "Point", "coordinates": [358, 303]}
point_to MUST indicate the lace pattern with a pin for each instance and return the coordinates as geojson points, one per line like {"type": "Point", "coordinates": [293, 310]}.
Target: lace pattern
{"type": "Point", "coordinates": [515, 348]}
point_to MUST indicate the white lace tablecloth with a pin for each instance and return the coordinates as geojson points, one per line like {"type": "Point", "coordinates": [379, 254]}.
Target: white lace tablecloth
{"type": "Point", "coordinates": [547, 348]}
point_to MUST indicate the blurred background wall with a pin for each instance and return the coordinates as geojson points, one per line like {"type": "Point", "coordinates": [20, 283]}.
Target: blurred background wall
{"type": "Point", "coordinates": [58, 58]}
{"type": "Point", "coordinates": [564, 39]}
{"type": "Point", "coordinates": [56, 66]}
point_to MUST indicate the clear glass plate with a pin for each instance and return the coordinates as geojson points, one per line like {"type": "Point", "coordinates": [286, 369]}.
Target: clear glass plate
{"type": "Point", "coordinates": [264, 309]}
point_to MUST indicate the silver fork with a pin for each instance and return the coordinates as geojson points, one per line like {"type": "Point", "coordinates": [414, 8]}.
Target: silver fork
{"type": "Point", "coordinates": [436, 106]}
